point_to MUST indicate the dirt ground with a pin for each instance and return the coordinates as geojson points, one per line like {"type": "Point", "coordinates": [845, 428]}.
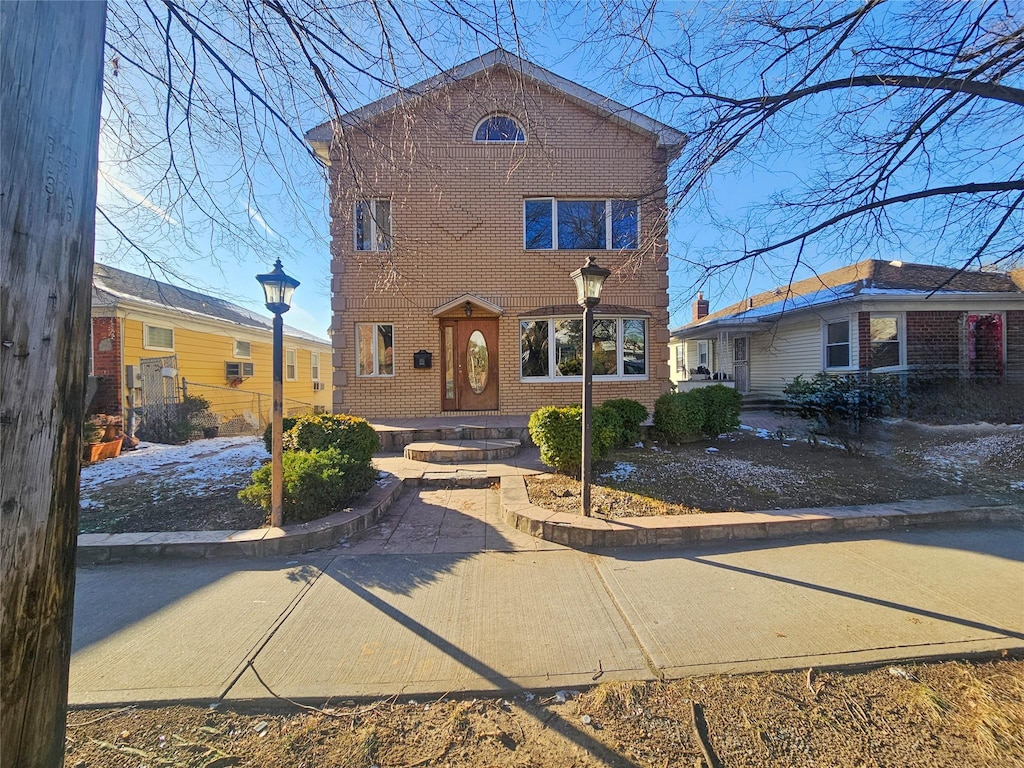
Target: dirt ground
{"type": "Point", "coordinates": [747, 471]}
{"type": "Point", "coordinates": [959, 715]}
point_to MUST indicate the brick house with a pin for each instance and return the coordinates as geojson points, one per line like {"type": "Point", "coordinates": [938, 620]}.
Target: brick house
{"type": "Point", "coordinates": [459, 208]}
{"type": "Point", "coordinates": [874, 315]}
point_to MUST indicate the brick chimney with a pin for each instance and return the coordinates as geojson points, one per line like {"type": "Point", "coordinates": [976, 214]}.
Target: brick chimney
{"type": "Point", "coordinates": [700, 307]}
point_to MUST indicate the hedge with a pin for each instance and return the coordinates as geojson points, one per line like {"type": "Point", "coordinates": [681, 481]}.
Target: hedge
{"type": "Point", "coordinates": [706, 411]}
{"type": "Point", "coordinates": [558, 432]}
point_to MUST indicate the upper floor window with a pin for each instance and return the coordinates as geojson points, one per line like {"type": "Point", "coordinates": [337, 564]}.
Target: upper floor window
{"type": "Point", "coordinates": [291, 367]}
{"type": "Point", "coordinates": [591, 225]}
{"type": "Point", "coordinates": [242, 348]}
{"type": "Point", "coordinates": [837, 344]}
{"type": "Point", "coordinates": [499, 128]}
{"type": "Point", "coordinates": [158, 338]}
{"type": "Point", "coordinates": [314, 366]}
{"type": "Point", "coordinates": [373, 225]}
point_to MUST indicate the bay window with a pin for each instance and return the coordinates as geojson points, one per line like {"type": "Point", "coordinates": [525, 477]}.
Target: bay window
{"type": "Point", "coordinates": [552, 348]}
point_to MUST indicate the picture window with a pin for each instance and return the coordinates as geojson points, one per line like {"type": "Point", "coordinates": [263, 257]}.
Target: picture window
{"type": "Point", "coordinates": [552, 349]}
{"type": "Point", "coordinates": [375, 354]}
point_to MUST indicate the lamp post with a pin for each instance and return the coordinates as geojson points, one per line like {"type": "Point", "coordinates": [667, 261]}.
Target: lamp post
{"type": "Point", "coordinates": [277, 290]}
{"type": "Point", "coordinates": [589, 280]}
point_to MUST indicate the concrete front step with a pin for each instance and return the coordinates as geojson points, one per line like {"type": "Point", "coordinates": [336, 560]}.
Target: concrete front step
{"type": "Point", "coordinates": [461, 451]}
{"type": "Point", "coordinates": [393, 440]}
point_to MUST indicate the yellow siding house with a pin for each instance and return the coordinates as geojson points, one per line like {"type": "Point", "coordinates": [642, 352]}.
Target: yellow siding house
{"type": "Point", "coordinates": [153, 342]}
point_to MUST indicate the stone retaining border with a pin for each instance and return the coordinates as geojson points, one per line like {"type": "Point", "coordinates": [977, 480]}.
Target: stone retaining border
{"type": "Point", "coordinates": [94, 548]}
{"type": "Point", "coordinates": [563, 528]}
{"type": "Point", "coordinates": [578, 532]}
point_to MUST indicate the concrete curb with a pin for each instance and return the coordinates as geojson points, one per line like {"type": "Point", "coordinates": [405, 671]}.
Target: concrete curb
{"type": "Point", "coordinates": [94, 548]}
{"type": "Point", "coordinates": [580, 532]}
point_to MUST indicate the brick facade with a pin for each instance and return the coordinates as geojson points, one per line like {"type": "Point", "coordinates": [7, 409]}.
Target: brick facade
{"type": "Point", "coordinates": [933, 340]}
{"type": "Point", "coordinates": [457, 222]}
{"type": "Point", "coordinates": [106, 365]}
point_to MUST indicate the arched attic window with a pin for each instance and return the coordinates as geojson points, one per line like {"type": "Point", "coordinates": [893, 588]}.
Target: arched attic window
{"type": "Point", "coordinates": [499, 128]}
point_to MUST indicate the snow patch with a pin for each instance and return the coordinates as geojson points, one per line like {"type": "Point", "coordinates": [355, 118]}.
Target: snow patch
{"type": "Point", "coordinates": [621, 471]}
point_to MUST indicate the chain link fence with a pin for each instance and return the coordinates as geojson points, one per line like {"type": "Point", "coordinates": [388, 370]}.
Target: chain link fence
{"type": "Point", "coordinates": [237, 411]}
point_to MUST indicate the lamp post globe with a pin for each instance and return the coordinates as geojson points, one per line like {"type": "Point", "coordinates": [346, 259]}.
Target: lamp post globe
{"type": "Point", "coordinates": [278, 289]}
{"type": "Point", "coordinates": [589, 281]}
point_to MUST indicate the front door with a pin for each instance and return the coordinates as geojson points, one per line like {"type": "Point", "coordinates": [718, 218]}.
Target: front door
{"type": "Point", "coordinates": [740, 365]}
{"type": "Point", "coordinates": [469, 364]}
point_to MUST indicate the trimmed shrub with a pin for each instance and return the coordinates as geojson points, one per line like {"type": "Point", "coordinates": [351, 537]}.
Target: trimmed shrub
{"type": "Point", "coordinates": [352, 436]}
{"type": "Point", "coordinates": [681, 417]}
{"type": "Point", "coordinates": [316, 483]}
{"type": "Point", "coordinates": [721, 409]}
{"type": "Point", "coordinates": [558, 432]}
{"type": "Point", "coordinates": [287, 422]}
{"type": "Point", "coordinates": [678, 417]}
{"type": "Point", "coordinates": [632, 414]}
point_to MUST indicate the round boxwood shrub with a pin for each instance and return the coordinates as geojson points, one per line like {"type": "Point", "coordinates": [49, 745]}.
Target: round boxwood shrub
{"type": "Point", "coordinates": [558, 432]}
{"type": "Point", "coordinates": [632, 414]}
{"type": "Point", "coordinates": [316, 483]}
{"type": "Point", "coordinates": [350, 435]}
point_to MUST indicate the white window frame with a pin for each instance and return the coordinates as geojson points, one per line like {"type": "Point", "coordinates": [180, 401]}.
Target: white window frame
{"type": "Point", "coordinates": [293, 354]}
{"type": "Point", "coordinates": [901, 338]}
{"type": "Point", "coordinates": [372, 202]}
{"type": "Point", "coordinates": [607, 221]}
{"type": "Point", "coordinates": [485, 118]}
{"type": "Point", "coordinates": [851, 348]}
{"type": "Point", "coordinates": [236, 351]}
{"type": "Point", "coordinates": [703, 353]}
{"type": "Point", "coordinates": [146, 344]}
{"type": "Point", "coordinates": [619, 375]}
{"type": "Point", "coordinates": [376, 361]}
{"type": "Point", "coordinates": [680, 358]}
{"type": "Point", "coordinates": [314, 366]}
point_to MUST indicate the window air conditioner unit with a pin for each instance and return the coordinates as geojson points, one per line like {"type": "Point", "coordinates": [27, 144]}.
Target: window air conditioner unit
{"type": "Point", "coordinates": [317, 386]}
{"type": "Point", "coordinates": [233, 370]}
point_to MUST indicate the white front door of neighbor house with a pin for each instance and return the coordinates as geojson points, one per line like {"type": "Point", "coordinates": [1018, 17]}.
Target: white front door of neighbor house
{"type": "Point", "coordinates": [740, 365]}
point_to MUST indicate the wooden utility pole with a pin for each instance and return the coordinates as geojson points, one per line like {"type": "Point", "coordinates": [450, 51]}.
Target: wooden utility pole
{"type": "Point", "coordinates": [50, 90]}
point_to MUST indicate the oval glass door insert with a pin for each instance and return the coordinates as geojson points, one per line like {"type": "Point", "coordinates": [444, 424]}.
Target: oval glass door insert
{"type": "Point", "coordinates": [476, 362]}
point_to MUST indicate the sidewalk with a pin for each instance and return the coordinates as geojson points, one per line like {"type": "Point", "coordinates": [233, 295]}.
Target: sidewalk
{"type": "Point", "coordinates": [337, 624]}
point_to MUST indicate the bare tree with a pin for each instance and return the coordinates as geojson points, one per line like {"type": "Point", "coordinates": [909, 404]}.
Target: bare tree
{"type": "Point", "coordinates": [886, 127]}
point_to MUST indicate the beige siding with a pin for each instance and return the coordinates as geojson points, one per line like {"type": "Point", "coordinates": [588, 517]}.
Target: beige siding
{"type": "Point", "coordinates": [779, 355]}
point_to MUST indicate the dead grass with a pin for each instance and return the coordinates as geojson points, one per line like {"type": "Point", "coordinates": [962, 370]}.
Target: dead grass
{"type": "Point", "coordinates": [953, 714]}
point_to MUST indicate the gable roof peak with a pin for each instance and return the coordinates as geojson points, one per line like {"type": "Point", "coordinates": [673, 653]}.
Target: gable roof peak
{"type": "Point", "coordinates": [667, 137]}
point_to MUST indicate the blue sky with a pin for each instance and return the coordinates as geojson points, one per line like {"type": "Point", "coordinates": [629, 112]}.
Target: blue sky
{"type": "Point", "coordinates": [275, 205]}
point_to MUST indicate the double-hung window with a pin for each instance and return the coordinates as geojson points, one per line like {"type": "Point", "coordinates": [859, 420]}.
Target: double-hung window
{"type": "Point", "coordinates": [314, 366]}
{"type": "Point", "coordinates": [375, 354]}
{"type": "Point", "coordinates": [291, 364]}
{"type": "Point", "coordinates": [580, 225]}
{"type": "Point", "coordinates": [373, 225]}
{"type": "Point", "coordinates": [552, 349]}
{"type": "Point", "coordinates": [837, 344]}
{"type": "Point", "coordinates": [885, 341]}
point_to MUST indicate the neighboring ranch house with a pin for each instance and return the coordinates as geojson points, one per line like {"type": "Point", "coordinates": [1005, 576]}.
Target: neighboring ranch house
{"type": "Point", "coordinates": [875, 315]}
{"type": "Point", "coordinates": [459, 208]}
{"type": "Point", "coordinates": [167, 336]}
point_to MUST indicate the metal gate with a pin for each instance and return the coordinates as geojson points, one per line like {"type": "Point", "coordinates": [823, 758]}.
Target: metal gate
{"type": "Point", "coordinates": [157, 404]}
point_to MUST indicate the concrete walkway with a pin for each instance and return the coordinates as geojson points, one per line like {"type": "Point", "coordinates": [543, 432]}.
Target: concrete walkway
{"type": "Point", "coordinates": [359, 621]}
